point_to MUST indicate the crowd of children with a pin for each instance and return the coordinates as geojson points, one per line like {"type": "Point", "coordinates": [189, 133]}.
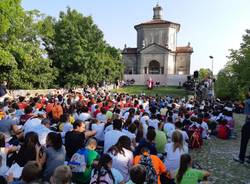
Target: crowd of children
{"type": "Point", "coordinates": [102, 137]}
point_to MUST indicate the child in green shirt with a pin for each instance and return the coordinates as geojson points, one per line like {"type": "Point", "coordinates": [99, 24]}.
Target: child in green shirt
{"type": "Point", "coordinates": [187, 175]}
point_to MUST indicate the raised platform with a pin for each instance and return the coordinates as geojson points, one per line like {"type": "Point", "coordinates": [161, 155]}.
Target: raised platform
{"type": "Point", "coordinates": [165, 80]}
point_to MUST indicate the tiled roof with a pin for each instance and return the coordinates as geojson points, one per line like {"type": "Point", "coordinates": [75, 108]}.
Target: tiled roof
{"type": "Point", "coordinates": [130, 50]}
{"type": "Point", "coordinates": [158, 21]}
{"type": "Point", "coordinates": [186, 49]}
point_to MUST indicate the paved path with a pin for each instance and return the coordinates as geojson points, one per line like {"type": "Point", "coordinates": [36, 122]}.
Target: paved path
{"type": "Point", "coordinates": [216, 156]}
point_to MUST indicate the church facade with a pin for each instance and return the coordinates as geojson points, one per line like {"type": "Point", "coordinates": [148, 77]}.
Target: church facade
{"type": "Point", "coordinates": [157, 52]}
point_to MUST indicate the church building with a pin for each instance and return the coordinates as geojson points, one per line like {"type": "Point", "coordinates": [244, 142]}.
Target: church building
{"type": "Point", "coordinates": [157, 52]}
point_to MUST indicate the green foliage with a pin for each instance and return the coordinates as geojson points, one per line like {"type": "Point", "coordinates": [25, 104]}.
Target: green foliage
{"type": "Point", "coordinates": [22, 60]}
{"type": "Point", "coordinates": [77, 48]}
{"type": "Point", "coordinates": [42, 52]}
{"type": "Point", "coordinates": [10, 13]}
{"type": "Point", "coordinates": [233, 81]}
{"type": "Point", "coordinates": [8, 65]}
{"type": "Point", "coordinates": [205, 73]}
{"type": "Point", "coordinates": [34, 71]}
{"type": "Point", "coordinates": [225, 88]}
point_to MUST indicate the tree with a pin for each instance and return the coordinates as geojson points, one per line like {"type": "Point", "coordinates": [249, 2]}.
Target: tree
{"type": "Point", "coordinates": [240, 61]}
{"type": "Point", "coordinates": [226, 85]}
{"type": "Point", "coordinates": [7, 65]}
{"type": "Point", "coordinates": [205, 73]}
{"type": "Point", "coordinates": [78, 50]}
{"type": "Point", "coordinates": [40, 52]}
{"type": "Point", "coordinates": [23, 62]}
{"type": "Point", "coordinates": [234, 78]}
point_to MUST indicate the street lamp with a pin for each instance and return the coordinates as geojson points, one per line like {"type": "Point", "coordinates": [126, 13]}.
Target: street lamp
{"type": "Point", "coordinates": [212, 84]}
{"type": "Point", "coordinates": [212, 58]}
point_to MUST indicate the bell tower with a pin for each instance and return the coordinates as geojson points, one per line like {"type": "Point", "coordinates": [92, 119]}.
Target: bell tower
{"type": "Point", "coordinates": [157, 12]}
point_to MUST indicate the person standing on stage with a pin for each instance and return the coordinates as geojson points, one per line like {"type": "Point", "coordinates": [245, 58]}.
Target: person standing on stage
{"type": "Point", "coordinates": [150, 83]}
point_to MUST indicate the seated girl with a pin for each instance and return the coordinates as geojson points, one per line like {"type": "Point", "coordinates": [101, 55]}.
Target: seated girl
{"type": "Point", "coordinates": [186, 174]}
{"type": "Point", "coordinates": [174, 150]}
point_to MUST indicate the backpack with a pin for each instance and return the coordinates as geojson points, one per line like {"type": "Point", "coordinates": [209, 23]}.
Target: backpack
{"type": "Point", "coordinates": [104, 177]}
{"type": "Point", "coordinates": [223, 132]}
{"type": "Point", "coordinates": [79, 161]}
{"type": "Point", "coordinates": [195, 137]}
{"type": "Point", "coordinates": [151, 177]}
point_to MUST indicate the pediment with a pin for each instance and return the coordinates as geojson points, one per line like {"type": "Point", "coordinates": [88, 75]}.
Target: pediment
{"type": "Point", "coordinates": [154, 49]}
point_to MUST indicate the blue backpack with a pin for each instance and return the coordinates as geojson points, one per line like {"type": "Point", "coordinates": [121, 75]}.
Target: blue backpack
{"type": "Point", "coordinates": [79, 161]}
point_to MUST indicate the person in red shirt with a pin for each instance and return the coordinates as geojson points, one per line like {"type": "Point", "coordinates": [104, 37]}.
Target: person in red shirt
{"type": "Point", "coordinates": [49, 106]}
{"type": "Point", "coordinates": [39, 105]}
{"type": "Point", "coordinates": [105, 106]}
{"type": "Point", "coordinates": [22, 104]}
{"type": "Point", "coordinates": [43, 99]}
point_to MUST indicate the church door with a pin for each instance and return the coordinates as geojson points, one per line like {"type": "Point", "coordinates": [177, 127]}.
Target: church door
{"type": "Point", "coordinates": [154, 67]}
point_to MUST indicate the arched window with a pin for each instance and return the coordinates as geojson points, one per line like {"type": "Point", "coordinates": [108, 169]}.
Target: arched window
{"type": "Point", "coordinates": [154, 67]}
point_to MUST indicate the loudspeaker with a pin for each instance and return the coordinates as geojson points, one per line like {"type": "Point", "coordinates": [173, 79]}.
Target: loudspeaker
{"type": "Point", "coordinates": [188, 77]}
{"type": "Point", "coordinates": [196, 74]}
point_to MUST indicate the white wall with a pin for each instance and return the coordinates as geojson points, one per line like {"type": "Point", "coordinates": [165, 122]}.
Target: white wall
{"type": "Point", "coordinates": [169, 80]}
{"type": "Point", "coordinates": [172, 39]}
{"type": "Point", "coordinates": [151, 35]}
{"type": "Point", "coordinates": [171, 64]}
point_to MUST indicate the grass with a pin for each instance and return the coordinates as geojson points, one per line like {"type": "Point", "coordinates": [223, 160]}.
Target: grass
{"type": "Point", "coordinates": [160, 91]}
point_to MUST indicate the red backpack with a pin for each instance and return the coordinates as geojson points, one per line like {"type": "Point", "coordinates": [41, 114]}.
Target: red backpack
{"type": "Point", "coordinates": [223, 132]}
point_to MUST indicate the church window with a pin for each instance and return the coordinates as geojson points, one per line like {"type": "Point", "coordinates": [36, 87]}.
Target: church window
{"type": "Point", "coordinates": [154, 67]}
{"type": "Point", "coordinates": [145, 70]}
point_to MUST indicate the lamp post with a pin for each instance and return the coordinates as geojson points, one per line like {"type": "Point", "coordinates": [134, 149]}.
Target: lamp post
{"type": "Point", "coordinates": [212, 58]}
{"type": "Point", "coordinates": [212, 84]}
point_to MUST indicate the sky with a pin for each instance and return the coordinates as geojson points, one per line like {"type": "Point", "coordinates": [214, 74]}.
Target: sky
{"type": "Point", "coordinates": [211, 26]}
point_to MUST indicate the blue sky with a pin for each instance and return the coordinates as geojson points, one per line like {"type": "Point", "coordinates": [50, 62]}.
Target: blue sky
{"type": "Point", "coordinates": [212, 26]}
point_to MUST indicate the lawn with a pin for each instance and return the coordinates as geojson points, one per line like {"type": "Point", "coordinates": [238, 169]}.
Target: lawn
{"type": "Point", "coordinates": [160, 91]}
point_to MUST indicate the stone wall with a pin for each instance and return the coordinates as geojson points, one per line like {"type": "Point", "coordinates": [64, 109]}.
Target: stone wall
{"type": "Point", "coordinates": [21, 92]}
{"type": "Point", "coordinates": [165, 80]}
{"type": "Point", "coordinates": [130, 63]}
{"type": "Point", "coordinates": [151, 34]}
{"type": "Point", "coordinates": [183, 63]}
